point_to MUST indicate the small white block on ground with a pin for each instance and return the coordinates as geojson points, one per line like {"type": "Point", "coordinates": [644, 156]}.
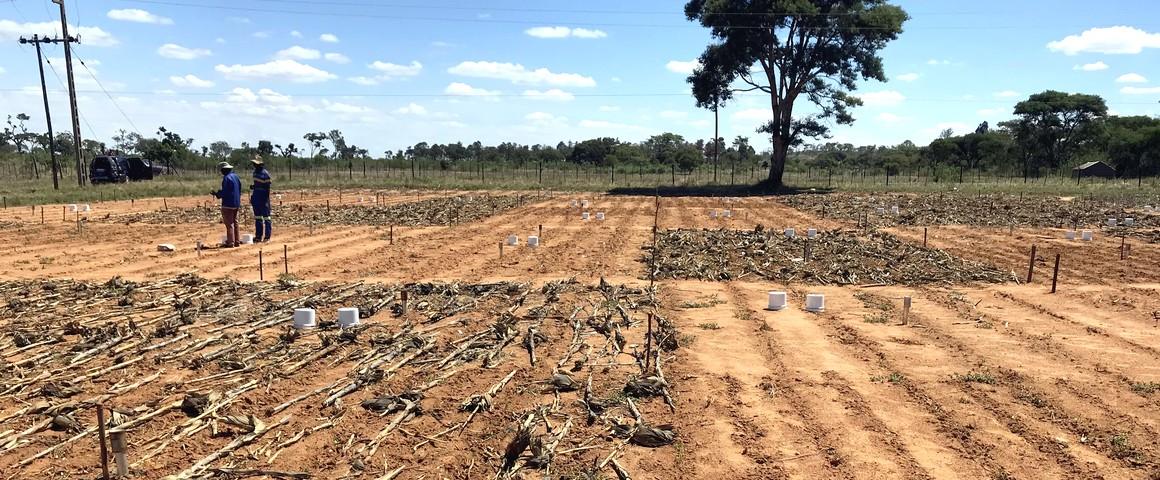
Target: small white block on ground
{"type": "Point", "coordinates": [513, 240]}
{"type": "Point", "coordinates": [166, 247]}
{"type": "Point", "coordinates": [894, 210]}
{"type": "Point", "coordinates": [533, 241]}
{"type": "Point", "coordinates": [584, 216]}
{"type": "Point", "coordinates": [347, 317]}
{"type": "Point", "coordinates": [811, 233]}
{"type": "Point", "coordinates": [1069, 235]}
{"type": "Point", "coordinates": [86, 208]}
{"type": "Point", "coordinates": [1128, 222]}
{"type": "Point", "coordinates": [304, 318]}
{"type": "Point", "coordinates": [727, 214]}
{"type": "Point", "coordinates": [72, 208]}
{"type": "Point", "coordinates": [1111, 222]}
{"type": "Point", "coordinates": [713, 214]}
{"type": "Point", "coordinates": [247, 238]}
{"type": "Point", "coordinates": [1086, 235]}
{"type": "Point", "coordinates": [815, 302]}
{"type": "Point", "coordinates": [777, 301]}
{"type": "Point", "coordinates": [882, 211]}
{"type": "Point", "coordinates": [600, 216]}
{"type": "Point", "coordinates": [789, 233]}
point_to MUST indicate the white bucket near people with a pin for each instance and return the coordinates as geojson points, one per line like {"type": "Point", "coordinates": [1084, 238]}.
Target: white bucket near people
{"type": "Point", "coordinates": [513, 240]}
{"type": "Point", "coordinates": [1129, 221]}
{"type": "Point", "coordinates": [1086, 235]}
{"type": "Point", "coordinates": [727, 214]}
{"type": "Point", "coordinates": [811, 233]}
{"type": "Point", "coordinates": [713, 214]}
{"type": "Point", "coordinates": [789, 233]}
{"type": "Point", "coordinates": [1111, 222]}
{"type": "Point", "coordinates": [247, 238]}
{"type": "Point", "coordinates": [347, 317]}
{"type": "Point", "coordinates": [533, 241]}
{"type": "Point", "coordinates": [574, 204]}
{"type": "Point", "coordinates": [777, 301]}
{"type": "Point", "coordinates": [85, 208]}
{"type": "Point", "coordinates": [815, 302]}
{"type": "Point", "coordinates": [304, 318]}
{"type": "Point", "coordinates": [1148, 208]}
{"type": "Point", "coordinates": [225, 239]}
{"type": "Point", "coordinates": [584, 216]}
{"type": "Point", "coordinates": [1069, 235]}
{"type": "Point", "coordinates": [600, 216]}
{"type": "Point", "coordinates": [72, 208]}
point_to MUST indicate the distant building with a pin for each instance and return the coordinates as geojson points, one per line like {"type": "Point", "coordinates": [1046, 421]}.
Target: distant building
{"type": "Point", "coordinates": [1094, 169]}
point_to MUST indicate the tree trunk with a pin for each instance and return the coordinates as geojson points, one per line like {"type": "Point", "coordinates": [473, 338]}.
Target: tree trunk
{"type": "Point", "coordinates": [777, 160]}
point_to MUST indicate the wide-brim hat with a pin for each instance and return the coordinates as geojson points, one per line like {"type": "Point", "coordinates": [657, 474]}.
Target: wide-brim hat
{"type": "Point", "coordinates": [225, 165]}
{"type": "Point", "coordinates": [257, 161]}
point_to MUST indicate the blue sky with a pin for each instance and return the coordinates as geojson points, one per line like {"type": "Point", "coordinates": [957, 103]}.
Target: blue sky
{"type": "Point", "coordinates": [395, 72]}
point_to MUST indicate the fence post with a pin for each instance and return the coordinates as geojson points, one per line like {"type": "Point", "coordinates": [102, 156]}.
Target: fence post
{"type": "Point", "coordinates": [1031, 265]}
{"type": "Point", "coordinates": [1055, 275]}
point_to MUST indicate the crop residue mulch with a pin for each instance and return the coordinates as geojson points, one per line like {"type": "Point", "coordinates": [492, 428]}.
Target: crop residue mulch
{"type": "Point", "coordinates": [837, 257]}
{"type": "Point", "coordinates": [420, 213]}
{"type": "Point", "coordinates": [493, 380]}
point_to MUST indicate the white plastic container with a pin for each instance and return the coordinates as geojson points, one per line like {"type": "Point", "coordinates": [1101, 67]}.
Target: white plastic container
{"type": "Point", "coordinates": [815, 302]}
{"type": "Point", "coordinates": [1111, 222]}
{"type": "Point", "coordinates": [881, 211]}
{"type": "Point", "coordinates": [304, 318]}
{"type": "Point", "coordinates": [777, 301]}
{"type": "Point", "coordinates": [1129, 221]}
{"type": "Point", "coordinates": [247, 239]}
{"type": "Point", "coordinates": [1148, 208]}
{"type": "Point", "coordinates": [513, 240]}
{"type": "Point", "coordinates": [894, 210]}
{"type": "Point", "coordinates": [789, 233]}
{"type": "Point", "coordinates": [533, 241]}
{"type": "Point", "coordinates": [347, 317]}
{"type": "Point", "coordinates": [811, 233]}
{"type": "Point", "coordinates": [72, 208]}
{"type": "Point", "coordinates": [1069, 235]}
{"type": "Point", "coordinates": [1086, 235]}
{"type": "Point", "coordinates": [85, 208]}
{"type": "Point", "coordinates": [584, 203]}
{"type": "Point", "coordinates": [727, 214]}
{"type": "Point", "coordinates": [574, 204]}
{"type": "Point", "coordinates": [600, 216]}
{"type": "Point", "coordinates": [713, 214]}
{"type": "Point", "coordinates": [584, 216]}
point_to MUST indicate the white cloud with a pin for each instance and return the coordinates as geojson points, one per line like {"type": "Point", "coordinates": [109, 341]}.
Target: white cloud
{"type": "Point", "coordinates": [295, 34]}
{"type": "Point", "coordinates": [884, 98]}
{"type": "Point", "coordinates": [609, 108]}
{"type": "Point", "coordinates": [887, 117]}
{"type": "Point", "coordinates": [453, 124]}
{"type": "Point", "coordinates": [442, 44]}
{"type": "Point", "coordinates": [1112, 40]}
{"type": "Point", "coordinates": [337, 58]}
{"type": "Point", "coordinates": [276, 70]}
{"type": "Point", "coordinates": [908, 77]}
{"type": "Point", "coordinates": [391, 70]}
{"type": "Point", "coordinates": [673, 114]}
{"type": "Point", "coordinates": [328, 38]}
{"type": "Point", "coordinates": [264, 103]}
{"type": "Point", "coordinates": [178, 52]}
{"type": "Point", "coordinates": [270, 96]}
{"type": "Point", "coordinates": [517, 74]}
{"type": "Point", "coordinates": [2, 70]}
{"type": "Point", "coordinates": [564, 32]}
{"type": "Point", "coordinates": [138, 16]}
{"type": "Point", "coordinates": [935, 61]}
{"type": "Point", "coordinates": [686, 68]}
{"type": "Point", "coordinates": [242, 95]}
{"type": "Point", "coordinates": [545, 119]}
{"type": "Point", "coordinates": [260, 34]}
{"type": "Point", "coordinates": [1131, 78]}
{"type": "Point", "coordinates": [365, 81]}
{"type": "Point", "coordinates": [608, 125]}
{"type": "Point", "coordinates": [1140, 90]}
{"type": "Point", "coordinates": [220, 41]}
{"type": "Point", "coordinates": [190, 81]}
{"type": "Point", "coordinates": [1091, 67]}
{"type": "Point", "coordinates": [93, 36]}
{"type": "Point", "coordinates": [298, 53]}
{"type": "Point", "coordinates": [956, 127]}
{"type": "Point", "coordinates": [1007, 94]}
{"type": "Point", "coordinates": [344, 108]}
{"type": "Point", "coordinates": [412, 109]}
{"type": "Point", "coordinates": [465, 90]}
{"type": "Point", "coordinates": [553, 95]}
{"type": "Point", "coordinates": [990, 112]}
{"type": "Point", "coordinates": [615, 79]}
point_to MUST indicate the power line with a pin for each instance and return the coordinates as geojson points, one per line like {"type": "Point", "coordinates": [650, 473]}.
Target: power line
{"type": "Point", "coordinates": [111, 99]}
{"type": "Point", "coordinates": [64, 89]}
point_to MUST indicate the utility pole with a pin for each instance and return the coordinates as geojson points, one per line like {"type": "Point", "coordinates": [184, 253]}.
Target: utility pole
{"type": "Point", "coordinates": [72, 93]}
{"type": "Point", "coordinates": [716, 144]}
{"type": "Point", "coordinates": [36, 40]}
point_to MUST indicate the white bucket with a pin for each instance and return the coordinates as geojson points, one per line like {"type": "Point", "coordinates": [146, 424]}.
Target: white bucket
{"type": "Point", "coordinates": [304, 318]}
{"type": "Point", "coordinates": [777, 300]}
{"type": "Point", "coordinates": [574, 204]}
{"type": "Point", "coordinates": [584, 216]}
{"type": "Point", "coordinates": [713, 214]}
{"type": "Point", "coordinates": [1111, 222]}
{"type": "Point", "coordinates": [360, 199]}
{"type": "Point", "coordinates": [85, 208]}
{"type": "Point", "coordinates": [513, 240]}
{"type": "Point", "coordinates": [1069, 235]}
{"type": "Point", "coordinates": [789, 233]}
{"type": "Point", "coordinates": [882, 211]}
{"type": "Point", "coordinates": [278, 196]}
{"type": "Point", "coordinates": [815, 302]}
{"type": "Point", "coordinates": [247, 239]}
{"type": "Point", "coordinates": [347, 317]}
{"type": "Point", "coordinates": [533, 241]}
{"type": "Point", "coordinates": [600, 216]}
{"type": "Point", "coordinates": [811, 233]}
{"type": "Point", "coordinates": [72, 208]}
{"type": "Point", "coordinates": [1129, 221]}
{"type": "Point", "coordinates": [1087, 235]}
{"type": "Point", "coordinates": [1148, 208]}
{"type": "Point", "coordinates": [584, 204]}
{"type": "Point", "coordinates": [894, 210]}
{"type": "Point", "coordinates": [727, 214]}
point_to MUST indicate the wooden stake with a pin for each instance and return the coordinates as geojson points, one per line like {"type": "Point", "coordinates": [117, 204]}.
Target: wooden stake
{"type": "Point", "coordinates": [391, 235]}
{"type": "Point", "coordinates": [906, 310]}
{"type": "Point", "coordinates": [42, 215]}
{"type": "Point", "coordinates": [199, 249]}
{"type": "Point", "coordinates": [286, 259]}
{"type": "Point", "coordinates": [1123, 243]}
{"type": "Point", "coordinates": [648, 344]}
{"type": "Point", "coordinates": [1055, 275]}
{"type": "Point", "coordinates": [261, 267]}
{"type": "Point", "coordinates": [404, 300]}
{"type": "Point", "coordinates": [500, 249]}
{"type": "Point", "coordinates": [63, 213]}
{"type": "Point", "coordinates": [923, 237]}
{"type": "Point", "coordinates": [165, 204]}
{"type": "Point", "coordinates": [118, 444]}
{"type": "Point", "coordinates": [541, 237]}
{"type": "Point", "coordinates": [104, 448]}
{"type": "Point", "coordinates": [1031, 265]}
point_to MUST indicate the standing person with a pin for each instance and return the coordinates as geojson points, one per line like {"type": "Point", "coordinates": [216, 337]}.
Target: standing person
{"type": "Point", "coordinates": [231, 196]}
{"type": "Point", "coordinates": [260, 201]}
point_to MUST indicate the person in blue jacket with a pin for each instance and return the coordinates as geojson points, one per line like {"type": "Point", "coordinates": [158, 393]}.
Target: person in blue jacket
{"type": "Point", "coordinates": [231, 196]}
{"type": "Point", "coordinates": [260, 201]}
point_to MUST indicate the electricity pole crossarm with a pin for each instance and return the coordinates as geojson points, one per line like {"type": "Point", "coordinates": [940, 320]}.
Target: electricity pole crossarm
{"type": "Point", "coordinates": [37, 40]}
{"type": "Point", "coordinates": [72, 93]}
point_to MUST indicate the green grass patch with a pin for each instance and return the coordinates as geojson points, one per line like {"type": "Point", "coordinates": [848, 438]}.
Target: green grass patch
{"type": "Point", "coordinates": [975, 377]}
{"type": "Point", "coordinates": [877, 318]}
{"type": "Point", "coordinates": [1145, 388]}
{"type": "Point", "coordinates": [707, 302]}
{"type": "Point", "coordinates": [895, 378]}
{"type": "Point", "coordinates": [709, 326]}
